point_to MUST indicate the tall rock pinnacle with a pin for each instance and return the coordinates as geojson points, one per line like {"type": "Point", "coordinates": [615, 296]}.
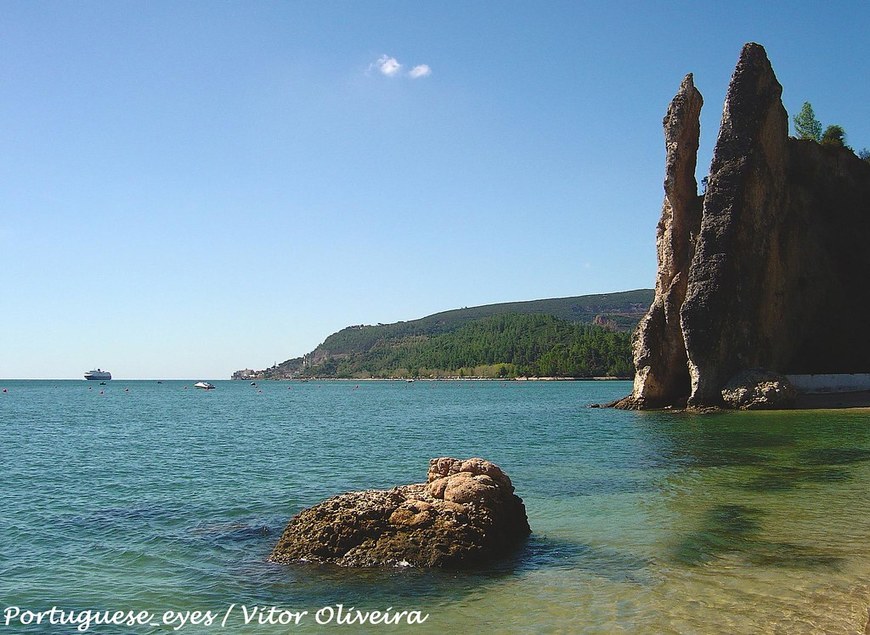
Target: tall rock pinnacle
{"type": "Point", "coordinates": [659, 348]}
{"type": "Point", "coordinates": [743, 203]}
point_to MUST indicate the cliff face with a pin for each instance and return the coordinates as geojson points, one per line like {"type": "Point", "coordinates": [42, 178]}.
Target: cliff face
{"type": "Point", "coordinates": [777, 273]}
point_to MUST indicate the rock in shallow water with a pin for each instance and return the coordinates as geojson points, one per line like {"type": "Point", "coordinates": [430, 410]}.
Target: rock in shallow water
{"type": "Point", "coordinates": [466, 513]}
{"type": "Point", "coordinates": [758, 389]}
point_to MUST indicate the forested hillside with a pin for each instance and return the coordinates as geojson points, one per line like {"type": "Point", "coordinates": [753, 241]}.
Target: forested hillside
{"type": "Point", "coordinates": [580, 336]}
{"type": "Point", "coordinates": [497, 346]}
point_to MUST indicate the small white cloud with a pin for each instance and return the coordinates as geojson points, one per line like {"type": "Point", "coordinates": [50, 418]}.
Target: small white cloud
{"type": "Point", "coordinates": [422, 70]}
{"type": "Point", "coordinates": [389, 66]}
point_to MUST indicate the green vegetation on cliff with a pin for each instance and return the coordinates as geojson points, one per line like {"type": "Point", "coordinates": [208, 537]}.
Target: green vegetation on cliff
{"type": "Point", "coordinates": [498, 346]}
{"type": "Point", "coordinates": [619, 310]}
{"type": "Point", "coordinates": [579, 336]}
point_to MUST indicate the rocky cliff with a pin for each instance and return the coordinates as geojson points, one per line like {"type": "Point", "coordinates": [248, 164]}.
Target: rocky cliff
{"type": "Point", "coordinates": [769, 268]}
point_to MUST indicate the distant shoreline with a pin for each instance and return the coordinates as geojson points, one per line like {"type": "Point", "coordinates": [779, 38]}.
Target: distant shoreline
{"type": "Point", "coordinates": [415, 379]}
{"type": "Point", "coordinates": [118, 380]}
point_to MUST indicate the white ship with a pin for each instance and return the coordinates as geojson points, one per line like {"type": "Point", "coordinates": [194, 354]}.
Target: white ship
{"type": "Point", "coordinates": [102, 375]}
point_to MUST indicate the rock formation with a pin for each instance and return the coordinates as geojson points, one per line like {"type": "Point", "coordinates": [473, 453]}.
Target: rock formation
{"type": "Point", "coordinates": [758, 389]}
{"type": "Point", "coordinates": [658, 346]}
{"type": "Point", "coordinates": [778, 264]}
{"type": "Point", "coordinates": [465, 513]}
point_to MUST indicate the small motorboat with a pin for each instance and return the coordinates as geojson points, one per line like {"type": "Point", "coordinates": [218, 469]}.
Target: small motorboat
{"type": "Point", "coordinates": [204, 385]}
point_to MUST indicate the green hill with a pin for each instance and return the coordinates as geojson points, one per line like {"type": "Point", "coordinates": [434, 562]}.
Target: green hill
{"type": "Point", "coordinates": [581, 336]}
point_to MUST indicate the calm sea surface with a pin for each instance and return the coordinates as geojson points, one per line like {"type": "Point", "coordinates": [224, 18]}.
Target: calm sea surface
{"type": "Point", "coordinates": [139, 496]}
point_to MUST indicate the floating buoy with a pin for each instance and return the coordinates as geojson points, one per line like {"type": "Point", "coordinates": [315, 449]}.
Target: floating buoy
{"type": "Point", "coordinates": [4, 390]}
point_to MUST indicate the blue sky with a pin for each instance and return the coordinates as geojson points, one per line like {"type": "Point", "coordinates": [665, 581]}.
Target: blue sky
{"type": "Point", "coordinates": [189, 188]}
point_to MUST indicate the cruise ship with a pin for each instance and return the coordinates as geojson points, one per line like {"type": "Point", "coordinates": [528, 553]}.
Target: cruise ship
{"type": "Point", "coordinates": [102, 375]}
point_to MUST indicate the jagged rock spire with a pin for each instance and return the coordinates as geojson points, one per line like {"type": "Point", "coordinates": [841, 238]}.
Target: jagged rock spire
{"type": "Point", "coordinates": [659, 349]}
{"type": "Point", "coordinates": [744, 200]}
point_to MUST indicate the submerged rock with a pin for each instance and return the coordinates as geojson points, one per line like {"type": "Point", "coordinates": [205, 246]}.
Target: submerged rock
{"type": "Point", "coordinates": [758, 389]}
{"type": "Point", "coordinates": [466, 513]}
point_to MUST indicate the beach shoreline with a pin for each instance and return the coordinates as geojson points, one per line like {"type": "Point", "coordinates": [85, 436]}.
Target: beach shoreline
{"type": "Point", "coordinates": [854, 401]}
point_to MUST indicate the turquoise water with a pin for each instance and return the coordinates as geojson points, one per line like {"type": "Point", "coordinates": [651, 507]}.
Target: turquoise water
{"type": "Point", "coordinates": [139, 496]}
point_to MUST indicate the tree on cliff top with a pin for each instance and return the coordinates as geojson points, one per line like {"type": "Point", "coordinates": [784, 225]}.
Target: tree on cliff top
{"type": "Point", "coordinates": [806, 126]}
{"type": "Point", "coordinates": [834, 135]}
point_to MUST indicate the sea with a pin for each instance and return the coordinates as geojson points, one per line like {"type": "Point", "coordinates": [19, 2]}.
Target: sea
{"type": "Point", "coordinates": [152, 507]}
